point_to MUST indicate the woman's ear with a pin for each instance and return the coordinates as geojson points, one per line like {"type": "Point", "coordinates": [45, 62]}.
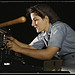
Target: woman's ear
{"type": "Point", "coordinates": [47, 18]}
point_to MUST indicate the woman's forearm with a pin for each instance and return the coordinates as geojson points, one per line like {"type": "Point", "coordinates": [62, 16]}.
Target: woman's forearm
{"type": "Point", "coordinates": [23, 44]}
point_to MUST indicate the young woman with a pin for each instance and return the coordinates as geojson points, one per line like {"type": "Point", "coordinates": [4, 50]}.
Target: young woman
{"type": "Point", "coordinates": [58, 37]}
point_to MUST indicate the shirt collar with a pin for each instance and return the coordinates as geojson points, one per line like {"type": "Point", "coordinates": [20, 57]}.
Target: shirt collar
{"type": "Point", "coordinates": [49, 31]}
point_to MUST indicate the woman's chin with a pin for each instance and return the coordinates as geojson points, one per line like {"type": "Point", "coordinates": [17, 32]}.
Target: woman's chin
{"type": "Point", "coordinates": [38, 31]}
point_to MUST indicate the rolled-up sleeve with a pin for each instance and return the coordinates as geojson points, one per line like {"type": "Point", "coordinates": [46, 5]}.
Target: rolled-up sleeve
{"type": "Point", "coordinates": [58, 34]}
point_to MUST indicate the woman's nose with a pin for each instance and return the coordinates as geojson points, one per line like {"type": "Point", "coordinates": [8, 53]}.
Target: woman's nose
{"type": "Point", "coordinates": [33, 23]}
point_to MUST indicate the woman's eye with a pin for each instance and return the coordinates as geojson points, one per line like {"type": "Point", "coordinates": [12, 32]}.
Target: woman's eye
{"type": "Point", "coordinates": [36, 20]}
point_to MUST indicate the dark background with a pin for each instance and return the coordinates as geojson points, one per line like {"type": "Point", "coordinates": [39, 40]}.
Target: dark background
{"type": "Point", "coordinates": [24, 32]}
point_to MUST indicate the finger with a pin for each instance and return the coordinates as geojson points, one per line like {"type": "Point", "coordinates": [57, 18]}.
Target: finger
{"type": "Point", "coordinates": [9, 37]}
{"type": "Point", "coordinates": [8, 45]}
{"type": "Point", "coordinates": [9, 48]}
{"type": "Point", "coordinates": [9, 41]}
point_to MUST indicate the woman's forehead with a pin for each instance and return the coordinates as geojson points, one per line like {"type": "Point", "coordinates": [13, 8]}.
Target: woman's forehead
{"type": "Point", "coordinates": [34, 15]}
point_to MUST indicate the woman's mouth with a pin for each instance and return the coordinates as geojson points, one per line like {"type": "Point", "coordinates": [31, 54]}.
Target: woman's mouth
{"type": "Point", "coordinates": [35, 27]}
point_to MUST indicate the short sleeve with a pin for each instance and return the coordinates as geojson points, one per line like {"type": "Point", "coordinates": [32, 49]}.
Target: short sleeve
{"type": "Point", "coordinates": [37, 43]}
{"type": "Point", "coordinates": [58, 34]}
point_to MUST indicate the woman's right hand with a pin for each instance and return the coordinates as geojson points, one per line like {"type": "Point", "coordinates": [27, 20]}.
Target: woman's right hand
{"type": "Point", "coordinates": [11, 38]}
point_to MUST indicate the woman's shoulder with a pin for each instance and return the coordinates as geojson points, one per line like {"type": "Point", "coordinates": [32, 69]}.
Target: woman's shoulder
{"type": "Point", "coordinates": [60, 24]}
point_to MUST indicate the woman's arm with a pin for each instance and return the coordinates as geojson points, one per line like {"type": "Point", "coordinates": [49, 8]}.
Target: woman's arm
{"type": "Point", "coordinates": [42, 54]}
{"type": "Point", "coordinates": [20, 43]}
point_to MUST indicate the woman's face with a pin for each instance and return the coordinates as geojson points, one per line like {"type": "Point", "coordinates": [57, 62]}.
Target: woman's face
{"type": "Point", "coordinates": [39, 23]}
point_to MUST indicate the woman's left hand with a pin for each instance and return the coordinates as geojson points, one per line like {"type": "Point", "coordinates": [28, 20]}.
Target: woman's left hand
{"type": "Point", "coordinates": [13, 46]}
